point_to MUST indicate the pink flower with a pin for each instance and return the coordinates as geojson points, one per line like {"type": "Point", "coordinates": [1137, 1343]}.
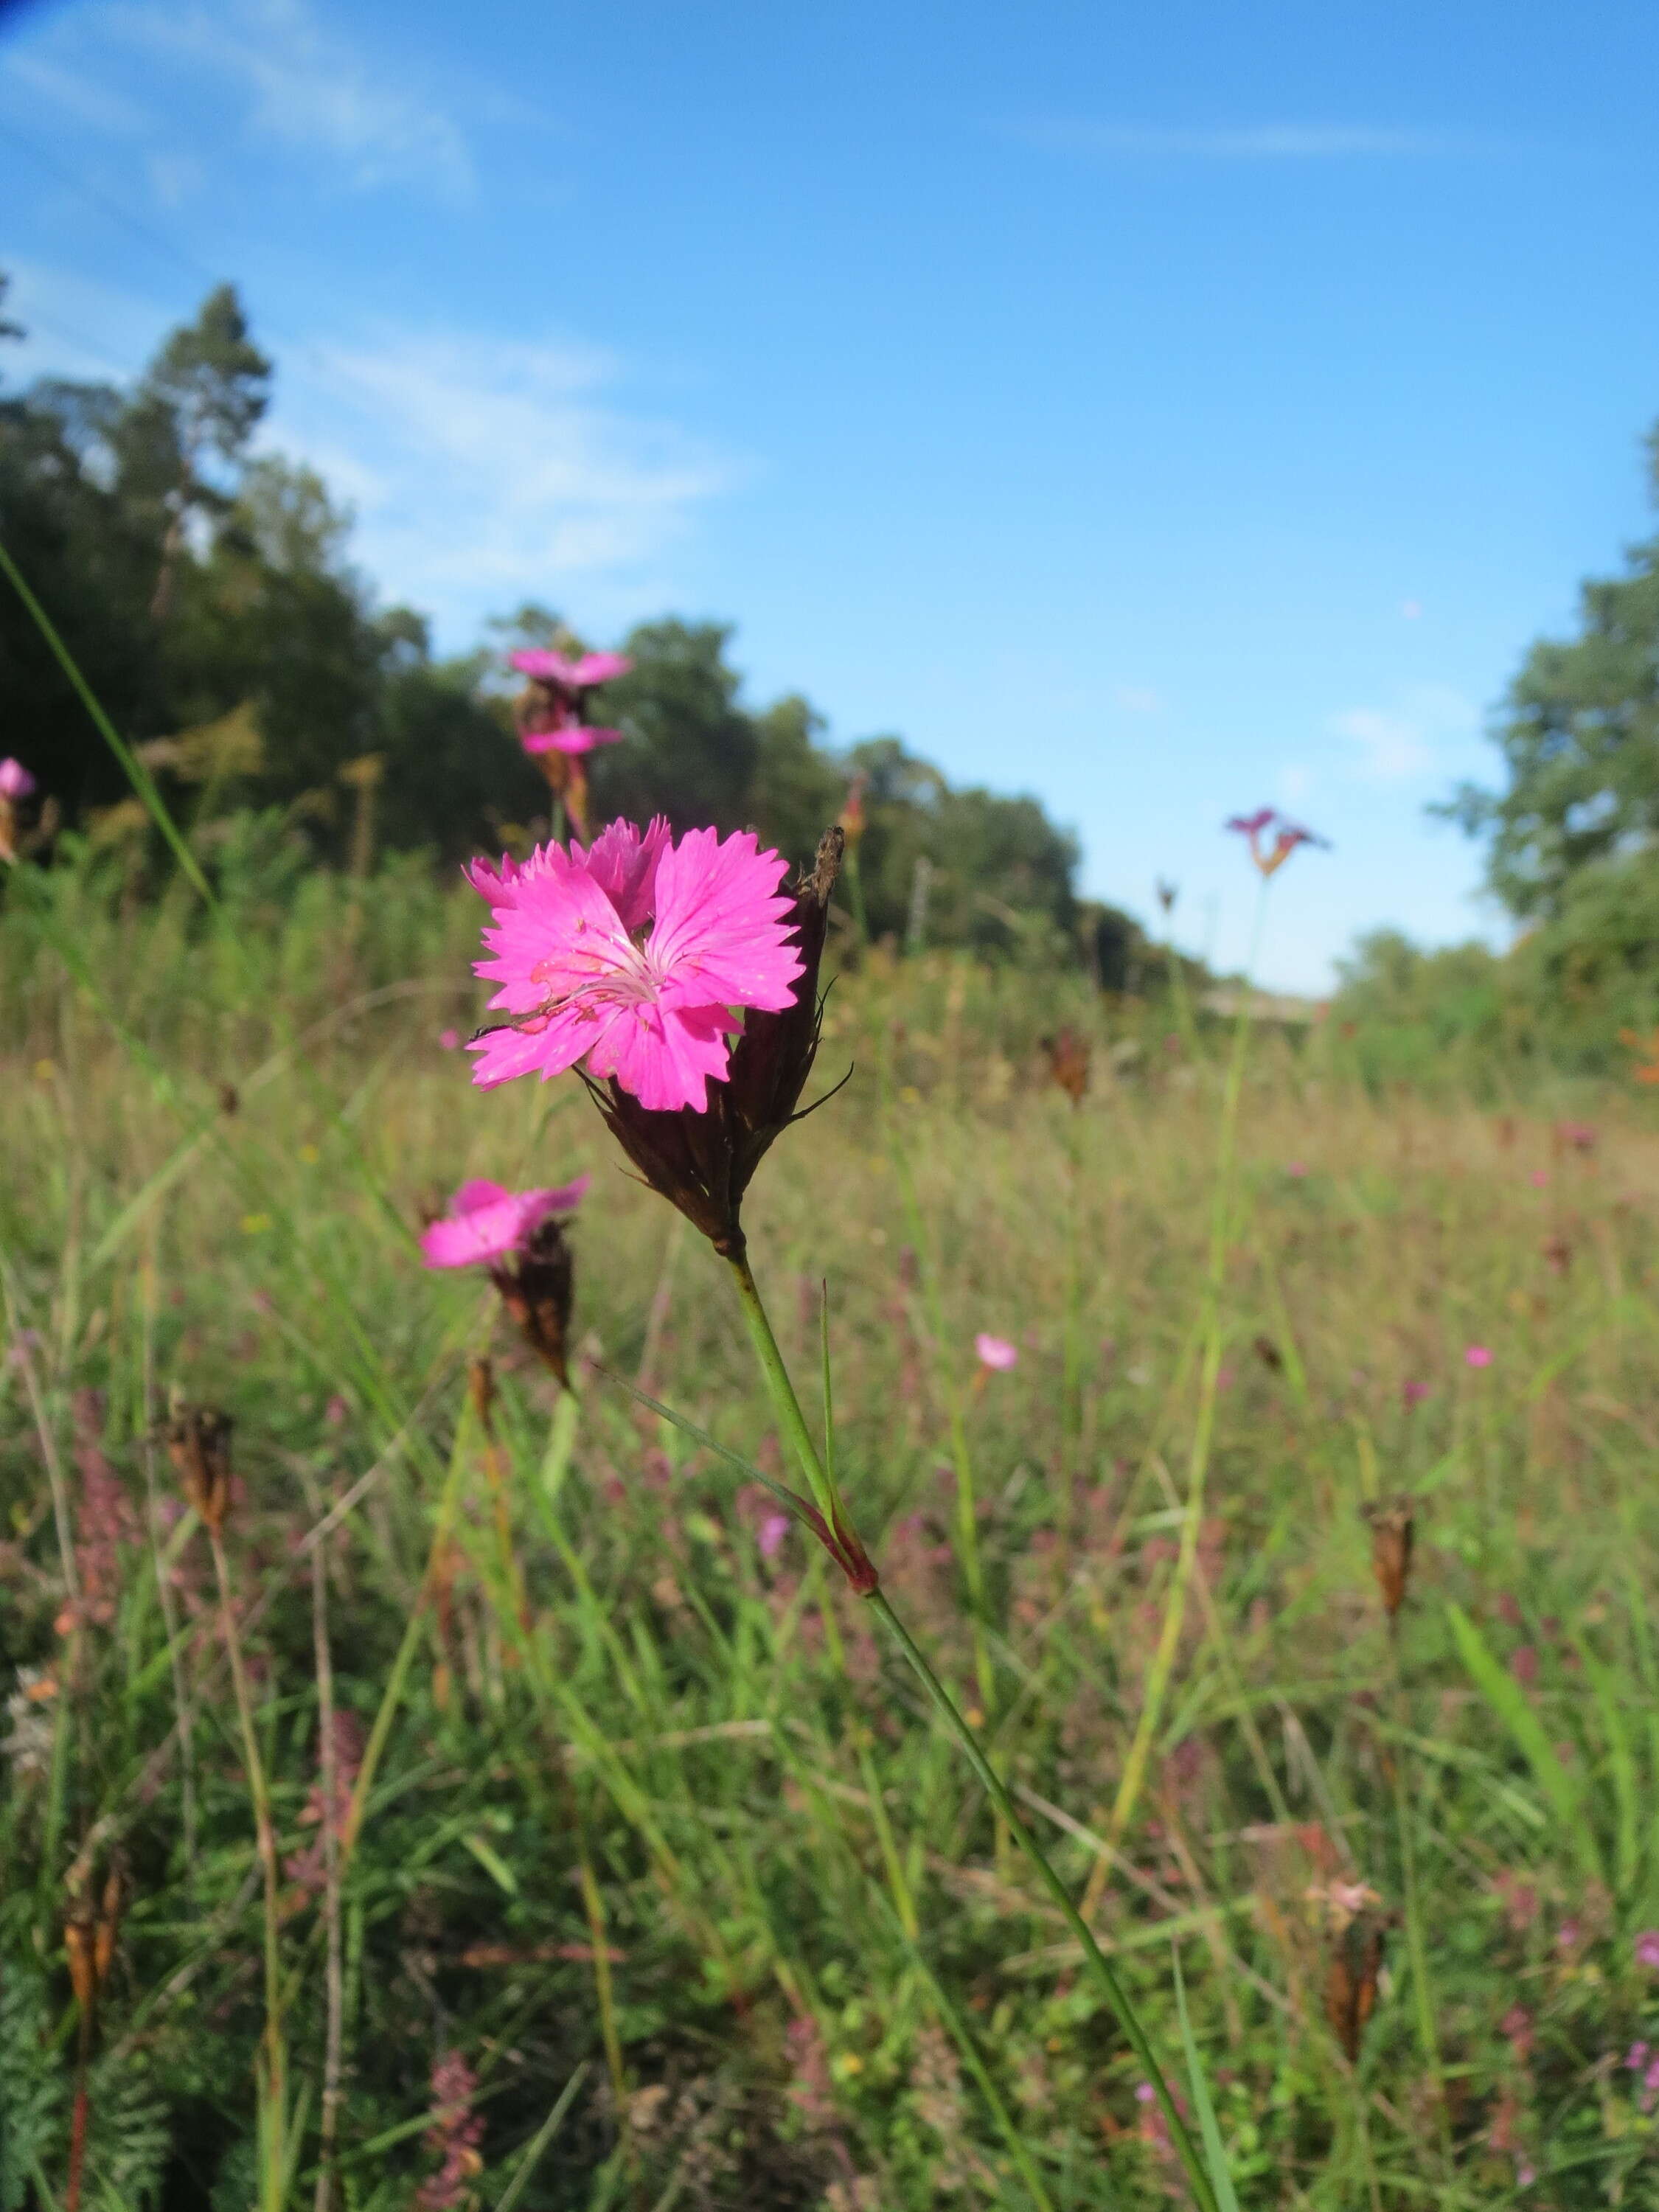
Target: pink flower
{"type": "Point", "coordinates": [996, 1352]}
{"type": "Point", "coordinates": [1523, 1665]}
{"type": "Point", "coordinates": [1288, 835]}
{"type": "Point", "coordinates": [1647, 1947]}
{"type": "Point", "coordinates": [570, 738]}
{"type": "Point", "coordinates": [15, 781]}
{"type": "Point", "coordinates": [1297, 1167]}
{"type": "Point", "coordinates": [635, 956]}
{"type": "Point", "coordinates": [487, 1222]}
{"type": "Point", "coordinates": [581, 674]}
{"type": "Point", "coordinates": [450, 1040]}
{"type": "Point", "coordinates": [1478, 1355]}
{"type": "Point", "coordinates": [1413, 1394]}
{"type": "Point", "coordinates": [1539, 1177]}
{"type": "Point", "coordinates": [771, 1533]}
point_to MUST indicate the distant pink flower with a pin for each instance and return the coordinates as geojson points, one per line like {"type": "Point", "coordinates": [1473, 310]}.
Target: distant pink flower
{"type": "Point", "coordinates": [1647, 1947]}
{"type": "Point", "coordinates": [1478, 1355]}
{"type": "Point", "coordinates": [336, 1411]}
{"type": "Point", "coordinates": [1579, 1134]}
{"type": "Point", "coordinates": [1523, 1664]}
{"type": "Point", "coordinates": [15, 781]}
{"type": "Point", "coordinates": [571, 738]}
{"type": "Point", "coordinates": [581, 674]}
{"type": "Point", "coordinates": [1288, 835]}
{"type": "Point", "coordinates": [1516, 2028]}
{"type": "Point", "coordinates": [1413, 1394]}
{"type": "Point", "coordinates": [1296, 1168]}
{"type": "Point", "coordinates": [996, 1352]}
{"type": "Point", "coordinates": [771, 1533]}
{"type": "Point", "coordinates": [455, 2132]}
{"type": "Point", "coordinates": [450, 1040]}
{"type": "Point", "coordinates": [635, 956]}
{"type": "Point", "coordinates": [487, 1222]}
{"type": "Point", "coordinates": [1539, 1177]}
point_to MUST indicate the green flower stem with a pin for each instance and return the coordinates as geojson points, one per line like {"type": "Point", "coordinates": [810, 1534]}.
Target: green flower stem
{"type": "Point", "coordinates": [785, 1403]}
{"type": "Point", "coordinates": [1118, 1995]}
{"type": "Point", "coordinates": [793, 1423]}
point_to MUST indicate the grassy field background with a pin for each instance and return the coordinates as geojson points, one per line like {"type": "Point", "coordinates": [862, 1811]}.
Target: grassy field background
{"type": "Point", "coordinates": [658, 1884]}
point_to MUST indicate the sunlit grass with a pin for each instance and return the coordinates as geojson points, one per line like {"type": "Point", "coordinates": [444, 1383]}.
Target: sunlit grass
{"type": "Point", "coordinates": [647, 1811]}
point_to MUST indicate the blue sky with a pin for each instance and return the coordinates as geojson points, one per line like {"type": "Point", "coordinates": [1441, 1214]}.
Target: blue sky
{"type": "Point", "coordinates": [1163, 411]}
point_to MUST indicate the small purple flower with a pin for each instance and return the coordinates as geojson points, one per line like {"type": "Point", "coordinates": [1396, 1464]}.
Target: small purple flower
{"type": "Point", "coordinates": [1647, 1947]}
{"type": "Point", "coordinates": [996, 1352]}
{"type": "Point", "coordinates": [772, 1532]}
{"type": "Point", "coordinates": [1478, 1355]}
{"type": "Point", "coordinates": [1413, 1394]}
{"type": "Point", "coordinates": [450, 1040]}
{"type": "Point", "coordinates": [15, 781]}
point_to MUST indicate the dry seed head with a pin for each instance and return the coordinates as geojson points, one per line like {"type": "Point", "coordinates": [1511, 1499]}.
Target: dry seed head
{"type": "Point", "coordinates": [198, 1443]}
{"type": "Point", "coordinates": [1392, 1521]}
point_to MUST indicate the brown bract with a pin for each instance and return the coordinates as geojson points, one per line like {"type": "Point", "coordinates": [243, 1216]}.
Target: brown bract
{"type": "Point", "coordinates": [704, 1162]}
{"type": "Point", "coordinates": [1392, 1520]}
{"type": "Point", "coordinates": [535, 1288]}
{"type": "Point", "coordinates": [198, 1444]}
{"type": "Point", "coordinates": [1068, 1062]}
{"type": "Point", "coordinates": [1356, 1961]}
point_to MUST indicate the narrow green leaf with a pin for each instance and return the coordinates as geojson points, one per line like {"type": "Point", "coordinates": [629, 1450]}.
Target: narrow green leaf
{"type": "Point", "coordinates": [1504, 1695]}
{"type": "Point", "coordinates": [1215, 2153]}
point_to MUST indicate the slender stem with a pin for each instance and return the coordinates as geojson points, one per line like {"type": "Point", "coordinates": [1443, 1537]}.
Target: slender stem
{"type": "Point", "coordinates": [333, 2033]}
{"type": "Point", "coordinates": [785, 1403]}
{"type": "Point", "coordinates": [275, 2133]}
{"type": "Point", "coordinates": [793, 1422]}
{"type": "Point", "coordinates": [1117, 1995]}
{"type": "Point", "coordinates": [1197, 1463]}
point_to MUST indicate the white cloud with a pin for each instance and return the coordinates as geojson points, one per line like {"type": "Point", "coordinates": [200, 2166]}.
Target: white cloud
{"type": "Point", "coordinates": [1412, 738]}
{"type": "Point", "coordinates": [485, 470]}
{"type": "Point", "coordinates": [1265, 141]}
{"type": "Point", "coordinates": [307, 89]}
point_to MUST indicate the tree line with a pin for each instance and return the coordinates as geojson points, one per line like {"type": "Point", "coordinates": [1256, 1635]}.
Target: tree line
{"type": "Point", "coordinates": [205, 588]}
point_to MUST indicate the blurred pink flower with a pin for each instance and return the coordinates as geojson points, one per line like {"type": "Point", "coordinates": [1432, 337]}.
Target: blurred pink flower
{"type": "Point", "coordinates": [1579, 1134]}
{"type": "Point", "coordinates": [1647, 1947]}
{"type": "Point", "coordinates": [454, 2134]}
{"type": "Point", "coordinates": [450, 1040]}
{"type": "Point", "coordinates": [584, 978]}
{"type": "Point", "coordinates": [1478, 1355]}
{"type": "Point", "coordinates": [1516, 2028]}
{"type": "Point", "coordinates": [487, 1222]}
{"type": "Point", "coordinates": [573, 738]}
{"type": "Point", "coordinates": [771, 1533]}
{"type": "Point", "coordinates": [996, 1352]}
{"type": "Point", "coordinates": [15, 781]}
{"type": "Point", "coordinates": [1523, 1664]}
{"type": "Point", "coordinates": [1288, 835]}
{"type": "Point", "coordinates": [581, 674]}
{"type": "Point", "coordinates": [1413, 1394]}
{"type": "Point", "coordinates": [336, 1411]}
{"type": "Point", "coordinates": [1539, 1177]}
{"type": "Point", "coordinates": [1296, 1168]}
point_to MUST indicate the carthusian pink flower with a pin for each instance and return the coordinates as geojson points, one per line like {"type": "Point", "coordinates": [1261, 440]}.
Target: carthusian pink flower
{"type": "Point", "coordinates": [571, 739]}
{"type": "Point", "coordinates": [772, 1532]}
{"type": "Point", "coordinates": [996, 1352]}
{"type": "Point", "coordinates": [487, 1224]}
{"type": "Point", "coordinates": [581, 674]}
{"type": "Point", "coordinates": [15, 781]}
{"type": "Point", "coordinates": [1287, 837]}
{"type": "Point", "coordinates": [1478, 1355]}
{"type": "Point", "coordinates": [636, 957]}
{"type": "Point", "coordinates": [1647, 1947]}
{"type": "Point", "coordinates": [1413, 1394]}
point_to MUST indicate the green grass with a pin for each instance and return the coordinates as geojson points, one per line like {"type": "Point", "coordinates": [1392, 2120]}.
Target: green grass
{"type": "Point", "coordinates": [670, 1848]}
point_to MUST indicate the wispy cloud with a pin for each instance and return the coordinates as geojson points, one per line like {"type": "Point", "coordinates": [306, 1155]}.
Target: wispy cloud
{"type": "Point", "coordinates": [1137, 699]}
{"type": "Point", "coordinates": [1421, 734]}
{"type": "Point", "coordinates": [485, 471]}
{"type": "Point", "coordinates": [73, 94]}
{"type": "Point", "coordinates": [1257, 142]}
{"type": "Point", "coordinates": [307, 89]}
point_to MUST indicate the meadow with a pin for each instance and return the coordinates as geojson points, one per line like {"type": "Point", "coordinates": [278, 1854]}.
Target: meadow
{"type": "Point", "coordinates": [620, 1860]}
